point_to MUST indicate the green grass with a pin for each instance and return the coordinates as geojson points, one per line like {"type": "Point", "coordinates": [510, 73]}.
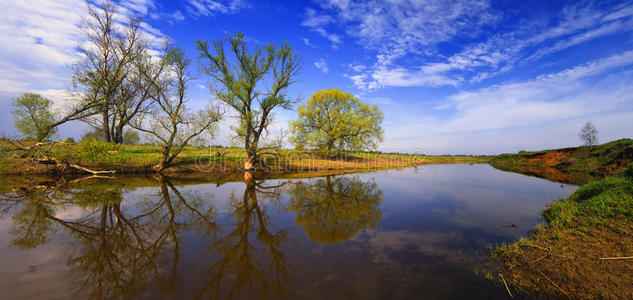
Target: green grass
{"type": "Point", "coordinates": [596, 203]}
{"type": "Point", "coordinates": [140, 158]}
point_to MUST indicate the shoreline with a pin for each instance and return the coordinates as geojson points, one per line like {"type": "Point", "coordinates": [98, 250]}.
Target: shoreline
{"type": "Point", "coordinates": [585, 248]}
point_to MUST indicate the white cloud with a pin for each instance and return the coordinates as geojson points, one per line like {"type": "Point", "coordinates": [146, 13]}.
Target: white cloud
{"type": "Point", "coordinates": [322, 66]}
{"type": "Point", "coordinates": [317, 23]}
{"type": "Point", "coordinates": [307, 43]}
{"type": "Point", "coordinates": [211, 7]}
{"type": "Point", "coordinates": [400, 29]}
{"type": "Point", "coordinates": [567, 94]}
{"type": "Point", "coordinates": [544, 112]}
{"type": "Point", "coordinates": [357, 67]}
{"type": "Point", "coordinates": [43, 37]}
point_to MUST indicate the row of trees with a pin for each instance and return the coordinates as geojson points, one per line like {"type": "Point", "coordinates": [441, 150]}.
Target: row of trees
{"type": "Point", "coordinates": [122, 85]}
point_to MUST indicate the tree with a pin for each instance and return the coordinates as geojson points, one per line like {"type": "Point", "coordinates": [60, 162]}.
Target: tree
{"type": "Point", "coordinates": [33, 116]}
{"type": "Point", "coordinates": [170, 122]}
{"type": "Point", "coordinates": [588, 134]}
{"type": "Point", "coordinates": [240, 85]}
{"type": "Point", "coordinates": [92, 134]}
{"type": "Point", "coordinates": [130, 137]}
{"type": "Point", "coordinates": [334, 120]}
{"type": "Point", "coordinates": [113, 71]}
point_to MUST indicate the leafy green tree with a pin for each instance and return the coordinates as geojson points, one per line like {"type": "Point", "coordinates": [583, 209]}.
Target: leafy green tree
{"type": "Point", "coordinates": [131, 137]}
{"type": "Point", "coordinates": [253, 83]}
{"type": "Point", "coordinates": [335, 120]}
{"type": "Point", "coordinates": [92, 134]}
{"type": "Point", "coordinates": [333, 209]}
{"type": "Point", "coordinates": [33, 116]}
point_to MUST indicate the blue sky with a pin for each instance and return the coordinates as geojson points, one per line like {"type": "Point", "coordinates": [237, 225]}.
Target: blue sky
{"type": "Point", "coordinates": [451, 76]}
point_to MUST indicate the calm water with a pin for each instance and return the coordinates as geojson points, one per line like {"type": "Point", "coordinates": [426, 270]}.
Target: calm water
{"type": "Point", "coordinates": [412, 233]}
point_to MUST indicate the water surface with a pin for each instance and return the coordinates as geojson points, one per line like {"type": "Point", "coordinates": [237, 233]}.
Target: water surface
{"type": "Point", "coordinates": [399, 234]}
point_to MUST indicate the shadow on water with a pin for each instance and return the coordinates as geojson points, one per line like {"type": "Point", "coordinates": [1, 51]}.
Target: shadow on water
{"type": "Point", "coordinates": [327, 237]}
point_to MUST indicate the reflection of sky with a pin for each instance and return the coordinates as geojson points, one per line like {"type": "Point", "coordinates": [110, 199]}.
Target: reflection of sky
{"type": "Point", "coordinates": [437, 222]}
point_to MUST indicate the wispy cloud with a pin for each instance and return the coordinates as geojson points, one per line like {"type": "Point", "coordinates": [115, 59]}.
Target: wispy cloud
{"type": "Point", "coordinates": [401, 29]}
{"type": "Point", "coordinates": [322, 66]}
{"type": "Point", "coordinates": [544, 111]}
{"type": "Point", "coordinates": [317, 23]}
{"type": "Point", "coordinates": [44, 36]}
{"type": "Point", "coordinates": [307, 42]}
{"type": "Point", "coordinates": [573, 92]}
{"type": "Point", "coordinates": [211, 7]}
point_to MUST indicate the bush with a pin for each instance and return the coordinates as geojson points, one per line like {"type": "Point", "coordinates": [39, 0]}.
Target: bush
{"type": "Point", "coordinates": [131, 137]}
{"type": "Point", "coordinates": [102, 153]}
{"type": "Point", "coordinates": [70, 140]}
{"type": "Point", "coordinates": [93, 151]}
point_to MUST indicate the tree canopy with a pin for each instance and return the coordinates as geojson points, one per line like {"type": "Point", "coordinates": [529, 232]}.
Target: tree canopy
{"type": "Point", "coordinates": [33, 116]}
{"type": "Point", "coordinates": [252, 82]}
{"type": "Point", "coordinates": [335, 120]}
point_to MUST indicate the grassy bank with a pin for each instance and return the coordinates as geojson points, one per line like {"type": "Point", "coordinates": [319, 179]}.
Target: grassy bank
{"type": "Point", "coordinates": [128, 159]}
{"type": "Point", "coordinates": [578, 165]}
{"type": "Point", "coordinates": [585, 251]}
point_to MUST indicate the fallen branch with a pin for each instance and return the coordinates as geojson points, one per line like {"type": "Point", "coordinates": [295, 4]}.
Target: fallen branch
{"type": "Point", "coordinates": [78, 167]}
{"type": "Point", "coordinates": [616, 257]}
{"type": "Point", "coordinates": [550, 281]}
{"type": "Point", "coordinates": [540, 258]}
{"type": "Point", "coordinates": [506, 284]}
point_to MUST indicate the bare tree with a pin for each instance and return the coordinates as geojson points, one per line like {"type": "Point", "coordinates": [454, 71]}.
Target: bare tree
{"type": "Point", "coordinates": [109, 75]}
{"type": "Point", "coordinates": [169, 121]}
{"type": "Point", "coordinates": [588, 134]}
{"type": "Point", "coordinates": [240, 85]}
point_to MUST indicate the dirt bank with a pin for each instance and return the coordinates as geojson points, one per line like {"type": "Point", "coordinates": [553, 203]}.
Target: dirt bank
{"type": "Point", "coordinates": [577, 165]}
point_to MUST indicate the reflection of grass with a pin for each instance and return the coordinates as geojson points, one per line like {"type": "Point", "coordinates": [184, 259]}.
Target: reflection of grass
{"type": "Point", "coordinates": [563, 257]}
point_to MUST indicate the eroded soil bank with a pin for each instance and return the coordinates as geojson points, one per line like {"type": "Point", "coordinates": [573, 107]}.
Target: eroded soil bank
{"type": "Point", "coordinates": [578, 165]}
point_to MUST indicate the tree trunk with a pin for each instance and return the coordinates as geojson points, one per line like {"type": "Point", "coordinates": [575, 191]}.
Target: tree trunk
{"type": "Point", "coordinates": [163, 164]}
{"type": "Point", "coordinates": [251, 161]}
{"type": "Point", "coordinates": [106, 125]}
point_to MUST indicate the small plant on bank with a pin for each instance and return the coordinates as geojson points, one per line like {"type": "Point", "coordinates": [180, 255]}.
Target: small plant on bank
{"type": "Point", "coordinates": [93, 152]}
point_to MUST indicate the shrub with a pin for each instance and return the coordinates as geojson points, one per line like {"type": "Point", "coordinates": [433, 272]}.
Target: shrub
{"type": "Point", "coordinates": [70, 140]}
{"type": "Point", "coordinates": [93, 151]}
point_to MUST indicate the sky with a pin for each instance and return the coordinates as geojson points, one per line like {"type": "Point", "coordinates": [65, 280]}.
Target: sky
{"type": "Point", "coordinates": [452, 77]}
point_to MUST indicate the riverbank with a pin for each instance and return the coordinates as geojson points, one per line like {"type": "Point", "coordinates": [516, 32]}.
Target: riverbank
{"type": "Point", "coordinates": [576, 165]}
{"type": "Point", "coordinates": [216, 161]}
{"type": "Point", "coordinates": [584, 251]}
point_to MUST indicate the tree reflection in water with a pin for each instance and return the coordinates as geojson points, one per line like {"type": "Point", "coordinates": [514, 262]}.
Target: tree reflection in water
{"type": "Point", "coordinates": [119, 251]}
{"type": "Point", "coordinates": [251, 257]}
{"type": "Point", "coordinates": [122, 249]}
{"type": "Point", "coordinates": [333, 209]}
